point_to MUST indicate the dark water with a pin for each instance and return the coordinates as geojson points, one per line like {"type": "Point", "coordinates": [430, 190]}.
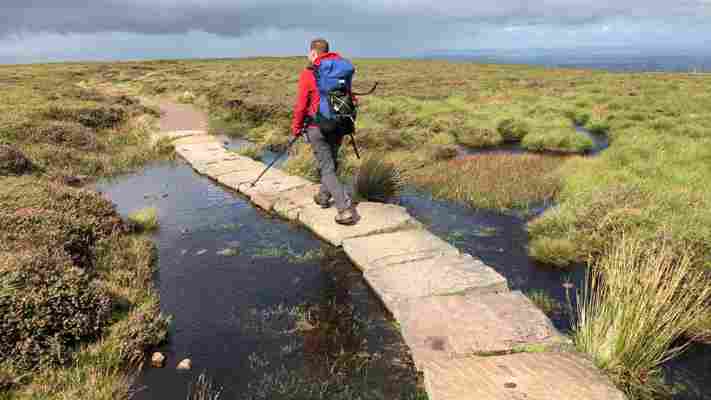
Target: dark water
{"type": "Point", "coordinates": [501, 241]}
{"type": "Point", "coordinates": [285, 312]}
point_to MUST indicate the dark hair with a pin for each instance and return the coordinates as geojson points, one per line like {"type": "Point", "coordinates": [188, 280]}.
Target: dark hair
{"type": "Point", "coordinates": [320, 45]}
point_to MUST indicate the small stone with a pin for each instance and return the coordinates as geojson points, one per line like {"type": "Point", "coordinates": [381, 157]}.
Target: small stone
{"type": "Point", "coordinates": [185, 365]}
{"type": "Point", "coordinates": [510, 385]}
{"type": "Point", "coordinates": [158, 360]}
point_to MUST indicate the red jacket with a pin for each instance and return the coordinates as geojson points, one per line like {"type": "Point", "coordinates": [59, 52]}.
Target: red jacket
{"type": "Point", "coordinates": [307, 98]}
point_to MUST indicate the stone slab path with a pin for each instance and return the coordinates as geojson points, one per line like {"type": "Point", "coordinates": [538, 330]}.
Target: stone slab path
{"type": "Point", "coordinates": [471, 337]}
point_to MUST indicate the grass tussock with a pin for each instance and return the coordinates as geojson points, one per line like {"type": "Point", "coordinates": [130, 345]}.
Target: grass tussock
{"type": "Point", "coordinates": [145, 219]}
{"type": "Point", "coordinates": [564, 140]}
{"type": "Point", "coordinates": [378, 180]}
{"type": "Point", "coordinates": [639, 302]}
{"type": "Point", "coordinates": [495, 180]}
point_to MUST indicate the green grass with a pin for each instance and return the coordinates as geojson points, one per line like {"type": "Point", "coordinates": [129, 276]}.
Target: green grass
{"type": "Point", "coordinates": [640, 301]}
{"type": "Point", "coordinates": [565, 140]}
{"type": "Point", "coordinates": [497, 180]}
{"type": "Point", "coordinates": [653, 177]}
{"type": "Point", "coordinates": [145, 219]}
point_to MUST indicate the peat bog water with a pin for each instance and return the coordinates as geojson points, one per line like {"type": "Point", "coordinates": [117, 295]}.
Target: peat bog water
{"type": "Point", "coordinates": [259, 303]}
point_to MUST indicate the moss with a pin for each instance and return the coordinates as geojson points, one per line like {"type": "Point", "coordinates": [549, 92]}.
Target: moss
{"type": "Point", "coordinates": [145, 219]}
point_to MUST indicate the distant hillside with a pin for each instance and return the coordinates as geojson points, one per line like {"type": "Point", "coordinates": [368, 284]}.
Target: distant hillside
{"type": "Point", "coordinates": [608, 58]}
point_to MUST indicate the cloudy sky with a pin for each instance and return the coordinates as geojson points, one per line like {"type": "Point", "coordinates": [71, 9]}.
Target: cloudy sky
{"type": "Point", "coordinates": [42, 30]}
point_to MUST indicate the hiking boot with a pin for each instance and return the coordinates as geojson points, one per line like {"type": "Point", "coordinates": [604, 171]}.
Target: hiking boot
{"type": "Point", "coordinates": [322, 200]}
{"type": "Point", "coordinates": [349, 216]}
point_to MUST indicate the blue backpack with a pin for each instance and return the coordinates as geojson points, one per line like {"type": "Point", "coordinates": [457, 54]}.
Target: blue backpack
{"type": "Point", "coordinates": [334, 78]}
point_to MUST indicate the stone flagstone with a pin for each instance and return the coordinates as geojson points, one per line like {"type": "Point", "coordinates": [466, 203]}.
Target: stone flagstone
{"type": "Point", "coordinates": [375, 218]}
{"type": "Point", "coordinates": [524, 376]}
{"type": "Point", "coordinates": [195, 137]}
{"type": "Point", "coordinates": [203, 156]}
{"type": "Point", "coordinates": [266, 192]}
{"type": "Point", "coordinates": [227, 166]}
{"type": "Point", "coordinates": [436, 276]}
{"type": "Point", "coordinates": [290, 203]}
{"type": "Point", "coordinates": [457, 326]}
{"type": "Point", "coordinates": [249, 174]}
{"type": "Point", "coordinates": [396, 248]}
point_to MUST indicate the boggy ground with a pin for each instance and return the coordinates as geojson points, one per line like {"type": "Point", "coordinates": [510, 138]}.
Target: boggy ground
{"type": "Point", "coordinates": [77, 304]}
{"type": "Point", "coordinates": [652, 178]}
{"type": "Point", "coordinates": [650, 182]}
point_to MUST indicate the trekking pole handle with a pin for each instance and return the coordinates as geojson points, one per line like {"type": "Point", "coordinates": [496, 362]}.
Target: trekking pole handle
{"type": "Point", "coordinates": [368, 92]}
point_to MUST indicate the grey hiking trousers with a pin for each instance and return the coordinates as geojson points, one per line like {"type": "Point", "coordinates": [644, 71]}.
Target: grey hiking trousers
{"type": "Point", "coordinates": [326, 154]}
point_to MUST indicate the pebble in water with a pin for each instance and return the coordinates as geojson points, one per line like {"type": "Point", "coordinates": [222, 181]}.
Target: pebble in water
{"type": "Point", "coordinates": [185, 365]}
{"type": "Point", "coordinates": [158, 360]}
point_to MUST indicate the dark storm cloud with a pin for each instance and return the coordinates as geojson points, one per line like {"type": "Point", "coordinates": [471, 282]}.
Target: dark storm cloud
{"type": "Point", "coordinates": [238, 17]}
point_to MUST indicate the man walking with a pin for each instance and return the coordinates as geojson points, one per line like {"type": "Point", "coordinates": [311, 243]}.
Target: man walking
{"type": "Point", "coordinates": [327, 75]}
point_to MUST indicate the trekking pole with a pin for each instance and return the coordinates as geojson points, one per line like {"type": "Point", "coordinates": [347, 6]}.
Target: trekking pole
{"type": "Point", "coordinates": [355, 146]}
{"type": "Point", "coordinates": [277, 158]}
{"type": "Point", "coordinates": [353, 141]}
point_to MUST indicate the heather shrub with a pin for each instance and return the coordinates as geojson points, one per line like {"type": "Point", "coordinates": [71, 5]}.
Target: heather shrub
{"type": "Point", "coordinates": [26, 193]}
{"type": "Point", "coordinates": [64, 133]}
{"type": "Point", "coordinates": [53, 307]}
{"type": "Point", "coordinates": [12, 161]}
{"type": "Point", "coordinates": [98, 117]}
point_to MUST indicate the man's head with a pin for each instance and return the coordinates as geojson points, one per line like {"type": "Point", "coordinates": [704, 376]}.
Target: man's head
{"type": "Point", "coordinates": [318, 47]}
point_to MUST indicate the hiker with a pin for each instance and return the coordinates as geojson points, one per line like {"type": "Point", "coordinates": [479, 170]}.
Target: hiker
{"type": "Point", "coordinates": [327, 75]}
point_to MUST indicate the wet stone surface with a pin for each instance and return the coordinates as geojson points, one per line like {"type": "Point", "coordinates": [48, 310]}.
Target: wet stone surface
{"type": "Point", "coordinates": [459, 326]}
{"type": "Point", "coordinates": [539, 376]}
